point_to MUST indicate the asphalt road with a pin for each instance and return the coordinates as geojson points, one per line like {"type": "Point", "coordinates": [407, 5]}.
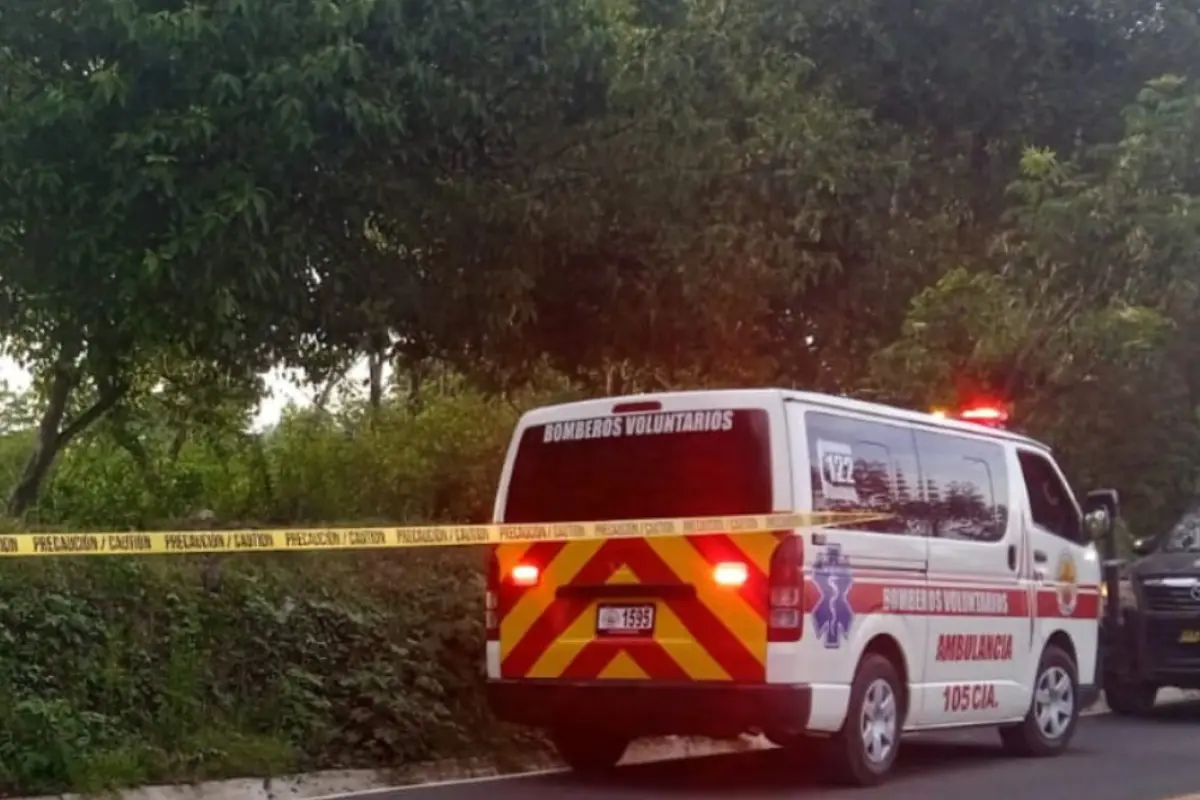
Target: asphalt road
{"type": "Point", "coordinates": [1112, 759]}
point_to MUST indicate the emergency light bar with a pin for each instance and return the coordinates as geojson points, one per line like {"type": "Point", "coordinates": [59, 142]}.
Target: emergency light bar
{"type": "Point", "coordinates": [984, 415]}
{"type": "Point", "coordinates": [990, 415]}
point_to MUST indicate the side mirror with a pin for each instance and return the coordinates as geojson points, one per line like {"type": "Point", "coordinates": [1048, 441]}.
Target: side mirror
{"type": "Point", "coordinates": [1098, 522]}
{"type": "Point", "coordinates": [1100, 511]}
{"type": "Point", "coordinates": [1143, 546]}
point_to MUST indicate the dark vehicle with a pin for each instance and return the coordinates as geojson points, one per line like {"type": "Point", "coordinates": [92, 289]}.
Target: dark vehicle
{"type": "Point", "coordinates": [1150, 632]}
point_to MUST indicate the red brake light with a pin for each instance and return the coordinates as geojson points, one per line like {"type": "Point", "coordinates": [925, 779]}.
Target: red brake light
{"type": "Point", "coordinates": [525, 575]}
{"type": "Point", "coordinates": [491, 601]}
{"type": "Point", "coordinates": [786, 592]}
{"type": "Point", "coordinates": [521, 576]}
{"type": "Point", "coordinates": [730, 573]}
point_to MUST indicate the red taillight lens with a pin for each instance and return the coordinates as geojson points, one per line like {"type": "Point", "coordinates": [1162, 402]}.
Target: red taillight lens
{"type": "Point", "coordinates": [731, 573]}
{"type": "Point", "coordinates": [491, 601]}
{"type": "Point", "coordinates": [525, 575]}
{"type": "Point", "coordinates": [501, 585]}
{"type": "Point", "coordinates": [786, 593]}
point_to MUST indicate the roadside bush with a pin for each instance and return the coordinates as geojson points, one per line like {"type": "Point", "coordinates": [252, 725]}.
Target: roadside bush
{"type": "Point", "coordinates": [120, 672]}
{"type": "Point", "coordinates": [127, 671]}
{"type": "Point", "coordinates": [355, 464]}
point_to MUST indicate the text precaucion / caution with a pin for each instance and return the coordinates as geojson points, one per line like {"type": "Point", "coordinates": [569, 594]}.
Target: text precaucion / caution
{"type": "Point", "coordinates": [242, 541]}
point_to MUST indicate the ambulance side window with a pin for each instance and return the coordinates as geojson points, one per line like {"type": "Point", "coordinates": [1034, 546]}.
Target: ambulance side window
{"type": "Point", "coordinates": [1050, 501]}
{"type": "Point", "coordinates": [863, 466]}
{"type": "Point", "coordinates": [966, 486]}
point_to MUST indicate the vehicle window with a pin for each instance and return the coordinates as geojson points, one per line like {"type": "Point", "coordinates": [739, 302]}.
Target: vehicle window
{"type": "Point", "coordinates": [1050, 501]}
{"type": "Point", "coordinates": [1185, 533]}
{"type": "Point", "coordinates": [865, 466]}
{"type": "Point", "coordinates": [643, 466]}
{"type": "Point", "coordinates": [966, 486]}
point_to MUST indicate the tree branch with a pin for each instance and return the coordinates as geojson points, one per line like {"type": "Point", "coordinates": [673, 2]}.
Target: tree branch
{"type": "Point", "coordinates": [108, 398]}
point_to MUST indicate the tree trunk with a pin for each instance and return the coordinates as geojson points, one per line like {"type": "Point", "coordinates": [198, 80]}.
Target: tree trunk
{"type": "Point", "coordinates": [53, 436]}
{"type": "Point", "coordinates": [416, 387]}
{"type": "Point", "coordinates": [128, 441]}
{"type": "Point", "coordinates": [375, 360]}
{"type": "Point", "coordinates": [177, 443]}
{"type": "Point", "coordinates": [336, 376]}
{"type": "Point", "coordinates": [45, 450]}
{"type": "Point", "coordinates": [262, 466]}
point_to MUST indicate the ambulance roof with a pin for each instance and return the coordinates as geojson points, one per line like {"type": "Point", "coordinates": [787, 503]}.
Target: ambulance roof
{"type": "Point", "coordinates": [603, 406]}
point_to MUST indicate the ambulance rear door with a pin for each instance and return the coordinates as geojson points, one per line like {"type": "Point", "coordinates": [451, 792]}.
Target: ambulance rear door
{"type": "Point", "coordinates": [656, 608]}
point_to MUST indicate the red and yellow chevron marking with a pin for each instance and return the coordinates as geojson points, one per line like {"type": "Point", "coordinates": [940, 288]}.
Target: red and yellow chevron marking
{"type": "Point", "coordinates": [720, 634]}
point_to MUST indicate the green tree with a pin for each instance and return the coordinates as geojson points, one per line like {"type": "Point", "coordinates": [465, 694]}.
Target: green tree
{"type": "Point", "coordinates": [653, 213]}
{"type": "Point", "coordinates": [1088, 320]}
{"type": "Point", "coordinates": [249, 181]}
{"type": "Point", "coordinates": [957, 92]}
{"type": "Point", "coordinates": [156, 167]}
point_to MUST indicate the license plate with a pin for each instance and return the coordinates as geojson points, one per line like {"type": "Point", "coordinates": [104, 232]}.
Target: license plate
{"type": "Point", "coordinates": [625, 620]}
{"type": "Point", "coordinates": [1189, 637]}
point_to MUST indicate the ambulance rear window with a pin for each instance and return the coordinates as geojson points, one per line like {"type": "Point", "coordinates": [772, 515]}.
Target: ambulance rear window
{"type": "Point", "coordinates": [641, 466]}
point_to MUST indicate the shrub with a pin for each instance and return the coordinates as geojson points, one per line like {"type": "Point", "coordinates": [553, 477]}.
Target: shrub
{"type": "Point", "coordinates": [128, 671]}
{"type": "Point", "coordinates": [120, 672]}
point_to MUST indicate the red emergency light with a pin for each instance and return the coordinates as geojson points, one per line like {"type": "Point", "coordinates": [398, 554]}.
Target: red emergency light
{"type": "Point", "coordinates": [992, 416]}
{"type": "Point", "coordinates": [989, 414]}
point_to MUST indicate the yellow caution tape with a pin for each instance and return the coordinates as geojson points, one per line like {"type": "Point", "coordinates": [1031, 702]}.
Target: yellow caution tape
{"type": "Point", "coordinates": [23, 545]}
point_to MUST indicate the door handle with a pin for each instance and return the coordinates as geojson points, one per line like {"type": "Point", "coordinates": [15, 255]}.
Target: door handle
{"type": "Point", "coordinates": [1012, 556]}
{"type": "Point", "coordinates": [1039, 557]}
{"type": "Point", "coordinates": [1039, 575]}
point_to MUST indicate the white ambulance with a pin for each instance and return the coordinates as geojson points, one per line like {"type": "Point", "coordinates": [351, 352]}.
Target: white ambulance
{"type": "Point", "coordinates": [972, 599]}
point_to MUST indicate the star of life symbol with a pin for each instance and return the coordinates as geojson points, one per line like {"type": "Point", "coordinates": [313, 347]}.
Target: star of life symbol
{"type": "Point", "coordinates": [832, 615]}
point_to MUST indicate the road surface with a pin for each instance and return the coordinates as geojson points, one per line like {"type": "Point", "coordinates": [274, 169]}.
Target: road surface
{"type": "Point", "coordinates": [1112, 759]}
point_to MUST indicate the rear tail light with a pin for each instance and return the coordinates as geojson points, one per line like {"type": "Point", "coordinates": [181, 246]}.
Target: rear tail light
{"type": "Point", "coordinates": [525, 575]}
{"type": "Point", "coordinates": [730, 573]}
{"type": "Point", "coordinates": [786, 592]}
{"type": "Point", "coordinates": [492, 597]}
{"type": "Point", "coordinates": [491, 601]}
{"type": "Point", "coordinates": [500, 585]}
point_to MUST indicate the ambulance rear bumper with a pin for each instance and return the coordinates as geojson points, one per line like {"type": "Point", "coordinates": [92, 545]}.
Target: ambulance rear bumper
{"type": "Point", "coordinates": [652, 708]}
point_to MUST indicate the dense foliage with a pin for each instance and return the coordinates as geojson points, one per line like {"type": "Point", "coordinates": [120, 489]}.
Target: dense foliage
{"type": "Point", "coordinates": [498, 202]}
{"type": "Point", "coordinates": [131, 672]}
{"type": "Point", "coordinates": [143, 670]}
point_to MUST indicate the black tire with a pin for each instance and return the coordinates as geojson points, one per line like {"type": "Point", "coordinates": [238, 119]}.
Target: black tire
{"type": "Point", "coordinates": [847, 759]}
{"type": "Point", "coordinates": [588, 752]}
{"type": "Point", "coordinates": [1046, 731]}
{"type": "Point", "coordinates": [1129, 698]}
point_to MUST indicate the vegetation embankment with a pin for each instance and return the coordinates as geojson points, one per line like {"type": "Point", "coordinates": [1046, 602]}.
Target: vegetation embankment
{"type": "Point", "coordinates": [493, 203]}
{"type": "Point", "coordinates": [120, 672]}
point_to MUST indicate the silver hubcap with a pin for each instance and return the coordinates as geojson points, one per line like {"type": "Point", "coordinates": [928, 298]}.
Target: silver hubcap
{"type": "Point", "coordinates": [1053, 702]}
{"type": "Point", "coordinates": [878, 721]}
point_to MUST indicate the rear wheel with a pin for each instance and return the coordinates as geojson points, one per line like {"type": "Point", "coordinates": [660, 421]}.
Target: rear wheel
{"type": "Point", "coordinates": [1129, 698]}
{"type": "Point", "coordinates": [1049, 726]}
{"type": "Point", "coordinates": [863, 751]}
{"type": "Point", "coordinates": [589, 752]}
